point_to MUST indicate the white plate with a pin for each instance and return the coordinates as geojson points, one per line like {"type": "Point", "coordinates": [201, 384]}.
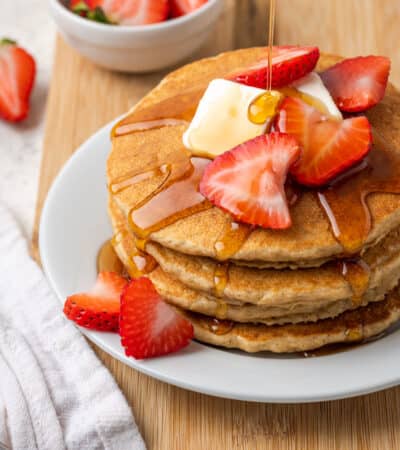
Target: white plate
{"type": "Point", "coordinates": [74, 224]}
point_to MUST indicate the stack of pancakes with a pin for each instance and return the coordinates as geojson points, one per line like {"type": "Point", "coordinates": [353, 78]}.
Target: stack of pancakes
{"type": "Point", "coordinates": [282, 291]}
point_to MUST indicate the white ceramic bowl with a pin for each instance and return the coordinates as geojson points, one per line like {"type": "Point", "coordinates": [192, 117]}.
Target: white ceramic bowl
{"type": "Point", "coordinates": [137, 48]}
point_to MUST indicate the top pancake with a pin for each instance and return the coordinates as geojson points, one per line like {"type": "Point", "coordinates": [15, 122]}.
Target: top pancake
{"type": "Point", "coordinates": [310, 238]}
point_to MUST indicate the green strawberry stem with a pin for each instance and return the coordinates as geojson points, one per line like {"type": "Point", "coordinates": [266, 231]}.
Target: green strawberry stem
{"type": "Point", "coordinates": [81, 8]}
{"type": "Point", "coordinates": [7, 41]}
{"type": "Point", "coordinates": [97, 14]}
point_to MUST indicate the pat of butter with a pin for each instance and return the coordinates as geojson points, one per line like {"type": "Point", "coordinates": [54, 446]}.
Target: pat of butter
{"type": "Point", "coordinates": [312, 85]}
{"type": "Point", "coordinates": [221, 121]}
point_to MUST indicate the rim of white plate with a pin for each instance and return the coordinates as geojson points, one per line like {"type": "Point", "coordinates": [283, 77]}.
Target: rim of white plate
{"type": "Point", "coordinates": [215, 371]}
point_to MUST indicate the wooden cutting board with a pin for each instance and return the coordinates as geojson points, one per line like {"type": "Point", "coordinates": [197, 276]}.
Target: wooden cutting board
{"type": "Point", "coordinates": [82, 98]}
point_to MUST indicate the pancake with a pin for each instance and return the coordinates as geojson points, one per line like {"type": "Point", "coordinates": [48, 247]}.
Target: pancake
{"type": "Point", "coordinates": [177, 294]}
{"type": "Point", "coordinates": [309, 241]}
{"type": "Point", "coordinates": [379, 269]}
{"type": "Point", "coordinates": [267, 296]}
{"type": "Point", "coordinates": [352, 326]}
{"type": "Point", "coordinates": [257, 289]}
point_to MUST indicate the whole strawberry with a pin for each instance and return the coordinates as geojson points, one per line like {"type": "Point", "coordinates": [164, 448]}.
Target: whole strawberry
{"type": "Point", "coordinates": [17, 76]}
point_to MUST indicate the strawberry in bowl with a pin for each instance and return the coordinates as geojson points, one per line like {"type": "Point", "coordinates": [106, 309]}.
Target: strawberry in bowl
{"type": "Point", "coordinates": [133, 12]}
{"type": "Point", "coordinates": [122, 12]}
{"type": "Point", "coordinates": [142, 37]}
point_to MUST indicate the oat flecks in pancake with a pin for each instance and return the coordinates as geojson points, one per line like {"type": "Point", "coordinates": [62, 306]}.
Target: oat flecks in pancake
{"type": "Point", "coordinates": [283, 338]}
{"type": "Point", "coordinates": [277, 295]}
{"type": "Point", "coordinates": [301, 309]}
{"type": "Point", "coordinates": [352, 326]}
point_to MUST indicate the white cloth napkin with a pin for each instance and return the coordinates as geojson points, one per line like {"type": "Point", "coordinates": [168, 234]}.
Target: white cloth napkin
{"type": "Point", "coordinates": [54, 392]}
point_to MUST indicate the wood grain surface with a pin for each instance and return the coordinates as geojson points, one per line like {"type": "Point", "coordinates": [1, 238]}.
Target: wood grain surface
{"type": "Point", "coordinates": [83, 98]}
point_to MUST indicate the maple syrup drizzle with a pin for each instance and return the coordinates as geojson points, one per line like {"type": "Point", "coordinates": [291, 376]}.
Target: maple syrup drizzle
{"type": "Point", "coordinates": [127, 181]}
{"type": "Point", "coordinates": [175, 110]}
{"type": "Point", "coordinates": [221, 309]}
{"type": "Point", "coordinates": [357, 273]}
{"type": "Point", "coordinates": [221, 277]}
{"type": "Point", "coordinates": [173, 202]}
{"type": "Point", "coordinates": [377, 173]}
{"type": "Point", "coordinates": [271, 31]}
{"type": "Point", "coordinates": [139, 263]}
{"type": "Point", "coordinates": [148, 125]}
{"type": "Point", "coordinates": [141, 243]}
{"type": "Point", "coordinates": [107, 259]}
{"type": "Point", "coordinates": [306, 98]}
{"type": "Point", "coordinates": [265, 106]}
{"type": "Point", "coordinates": [216, 326]}
{"type": "Point", "coordinates": [345, 200]}
{"type": "Point", "coordinates": [231, 240]}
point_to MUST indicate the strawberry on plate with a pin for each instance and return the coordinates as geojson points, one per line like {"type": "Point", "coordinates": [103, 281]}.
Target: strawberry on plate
{"type": "Point", "coordinates": [17, 75]}
{"type": "Point", "coordinates": [289, 63]}
{"type": "Point", "coordinates": [248, 181]}
{"type": "Point", "coordinates": [183, 7]}
{"type": "Point", "coordinates": [329, 146]}
{"type": "Point", "coordinates": [123, 12]}
{"type": "Point", "coordinates": [148, 326]}
{"type": "Point", "coordinates": [357, 84]}
{"type": "Point", "coordinates": [98, 309]}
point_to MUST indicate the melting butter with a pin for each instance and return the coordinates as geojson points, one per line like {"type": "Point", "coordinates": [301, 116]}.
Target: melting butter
{"type": "Point", "coordinates": [221, 121]}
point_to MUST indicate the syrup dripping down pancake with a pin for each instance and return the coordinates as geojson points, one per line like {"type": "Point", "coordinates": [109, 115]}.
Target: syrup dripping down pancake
{"type": "Point", "coordinates": [311, 237]}
{"type": "Point", "coordinates": [194, 282]}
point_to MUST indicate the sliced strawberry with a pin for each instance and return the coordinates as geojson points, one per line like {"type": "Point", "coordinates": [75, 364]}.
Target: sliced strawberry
{"type": "Point", "coordinates": [357, 84]}
{"type": "Point", "coordinates": [289, 63]}
{"type": "Point", "coordinates": [329, 146]}
{"type": "Point", "coordinates": [17, 75]}
{"type": "Point", "coordinates": [183, 7]}
{"type": "Point", "coordinates": [148, 326]}
{"type": "Point", "coordinates": [248, 181]}
{"type": "Point", "coordinates": [122, 12]}
{"type": "Point", "coordinates": [99, 308]}
{"type": "Point", "coordinates": [136, 12]}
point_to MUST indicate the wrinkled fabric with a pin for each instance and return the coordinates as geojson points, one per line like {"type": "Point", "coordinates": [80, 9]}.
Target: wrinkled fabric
{"type": "Point", "coordinates": [54, 392]}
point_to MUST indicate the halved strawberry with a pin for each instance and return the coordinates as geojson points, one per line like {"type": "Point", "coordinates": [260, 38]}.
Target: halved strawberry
{"type": "Point", "coordinates": [248, 181]}
{"type": "Point", "coordinates": [357, 84]}
{"type": "Point", "coordinates": [136, 12]}
{"type": "Point", "coordinates": [148, 326]}
{"type": "Point", "coordinates": [289, 63]}
{"type": "Point", "coordinates": [98, 309]}
{"type": "Point", "coordinates": [183, 7]}
{"type": "Point", "coordinates": [123, 12]}
{"type": "Point", "coordinates": [329, 146]}
{"type": "Point", "coordinates": [17, 75]}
